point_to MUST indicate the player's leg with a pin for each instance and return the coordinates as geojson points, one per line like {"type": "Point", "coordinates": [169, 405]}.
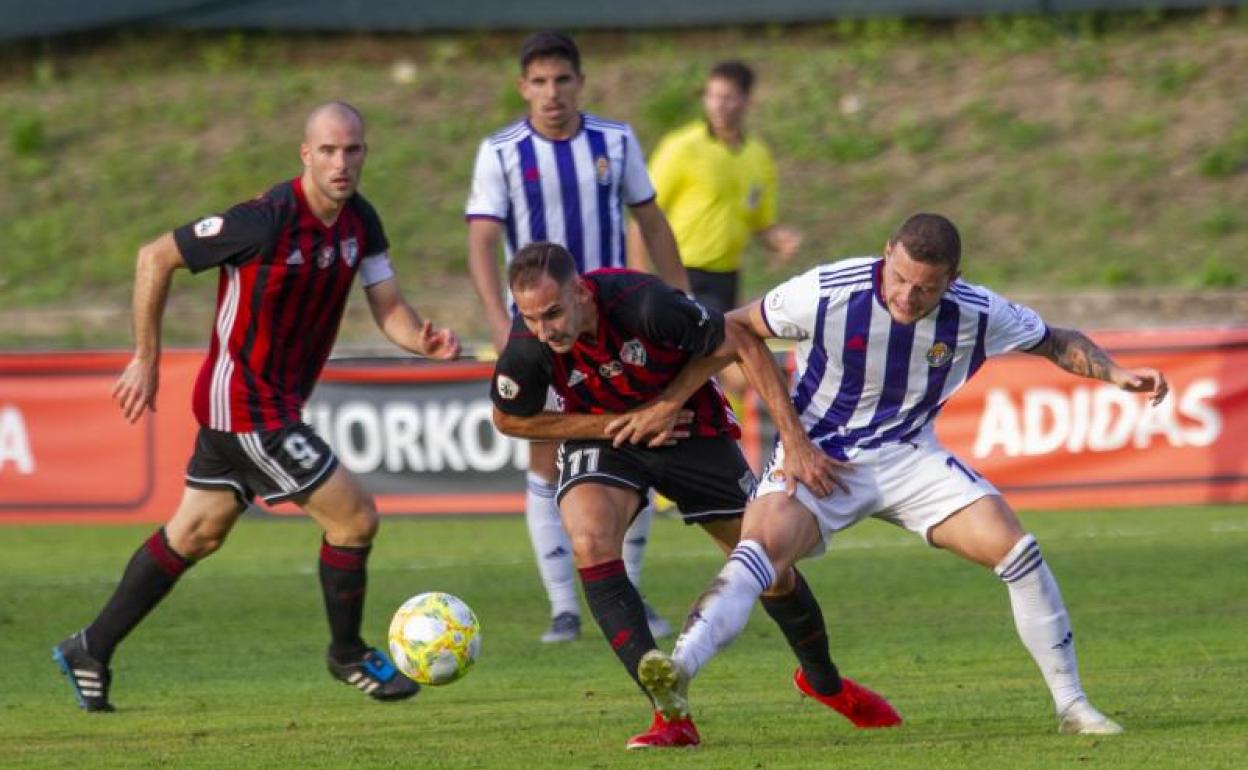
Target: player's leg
{"type": "Point", "coordinates": [198, 527]}
{"type": "Point", "coordinates": [551, 546]}
{"type": "Point", "coordinates": [776, 531]}
{"type": "Point", "coordinates": [597, 515]}
{"type": "Point", "coordinates": [347, 515]}
{"type": "Point", "coordinates": [988, 532]}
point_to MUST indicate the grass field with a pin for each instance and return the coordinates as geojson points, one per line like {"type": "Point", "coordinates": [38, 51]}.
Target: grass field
{"type": "Point", "coordinates": [229, 673]}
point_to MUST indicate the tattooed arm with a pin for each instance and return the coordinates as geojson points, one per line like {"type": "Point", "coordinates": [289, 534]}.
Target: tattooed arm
{"type": "Point", "coordinates": [1074, 352]}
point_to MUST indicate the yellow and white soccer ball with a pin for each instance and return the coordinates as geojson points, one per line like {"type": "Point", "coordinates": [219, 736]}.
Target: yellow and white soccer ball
{"type": "Point", "coordinates": [434, 638]}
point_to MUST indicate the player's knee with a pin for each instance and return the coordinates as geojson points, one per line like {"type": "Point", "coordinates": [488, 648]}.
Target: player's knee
{"type": "Point", "coordinates": [200, 542]}
{"type": "Point", "coordinates": [590, 547]}
{"type": "Point", "coordinates": [363, 524]}
{"type": "Point", "coordinates": [1014, 559]}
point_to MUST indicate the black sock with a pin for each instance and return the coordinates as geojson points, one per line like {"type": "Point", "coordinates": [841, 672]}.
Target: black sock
{"type": "Point", "coordinates": [801, 620]}
{"type": "Point", "coordinates": [343, 582]}
{"type": "Point", "coordinates": [617, 606]}
{"type": "Point", "coordinates": [152, 571]}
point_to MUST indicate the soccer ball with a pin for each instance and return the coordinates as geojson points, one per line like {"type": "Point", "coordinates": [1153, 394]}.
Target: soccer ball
{"type": "Point", "coordinates": [434, 638]}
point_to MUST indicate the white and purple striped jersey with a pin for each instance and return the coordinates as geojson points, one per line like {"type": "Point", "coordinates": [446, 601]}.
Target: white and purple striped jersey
{"type": "Point", "coordinates": [864, 380]}
{"type": "Point", "coordinates": [571, 191]}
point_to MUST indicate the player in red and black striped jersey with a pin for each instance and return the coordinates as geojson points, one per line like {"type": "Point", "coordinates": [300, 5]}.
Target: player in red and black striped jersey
{"type": "Point", "coordinates": [287, 261]}
{"type": "Point", "coordinates": [630, 357]}
{"type": "Point", "coordinates": [277, 261]}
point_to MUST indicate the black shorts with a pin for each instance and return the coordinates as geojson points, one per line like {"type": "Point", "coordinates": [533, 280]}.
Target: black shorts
{"type": "Point", "coordinates": [707, 478]}
{"type": "Point", "coordinates": [277, 465]}
{"type": "Point", "coordinates": [715, 290]}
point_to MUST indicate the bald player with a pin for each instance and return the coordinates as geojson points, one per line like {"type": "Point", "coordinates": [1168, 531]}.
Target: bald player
{"type": "Point", "coordinates": [286, 261]}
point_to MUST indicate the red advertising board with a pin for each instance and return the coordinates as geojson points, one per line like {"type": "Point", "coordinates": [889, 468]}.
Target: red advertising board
{"type": "Point", "coordinates": [420, 437]}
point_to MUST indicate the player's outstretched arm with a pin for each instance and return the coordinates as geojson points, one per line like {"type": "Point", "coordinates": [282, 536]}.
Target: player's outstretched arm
{"type": "Point", "coordinates": [555, 426]}
{"type": "Point", "coordinates": [135, 390]}
{"type": "Point", "coordinates": [803, 461]}
{"type": "Point", "coordinates": [484, 237]}
{"type": "Point", "coordinates": [1071, 350]}
{"type": "Point", "coordinates": [661, 244]}
{"type": "Point", "coordinates": [659, 421]}
{"type": "Point", "coordinates": [403, 326]}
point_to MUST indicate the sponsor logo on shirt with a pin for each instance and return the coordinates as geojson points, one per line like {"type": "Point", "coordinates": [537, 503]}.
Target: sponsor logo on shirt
{"type": "Point", "coordinates": [576, 378]}
{"type": "Point", "coordinates": [507, 387]}
{"type": "Point", "coordinates": [208, 227]}
{"type": "Point", "coordinates": [350, 249]}
{"type": "Point", "coordinates": [938, 355]}
{"type": "Point", "coordinates": [295, 258]}
{"type": "Point", "coordinates": [602, 168]}
{"type": "Point", "coordinates": [634, 353]}
{"type": "Point", "coordinates": [611, 369]}
{"type": "Point", "coordinates": [326, 257]}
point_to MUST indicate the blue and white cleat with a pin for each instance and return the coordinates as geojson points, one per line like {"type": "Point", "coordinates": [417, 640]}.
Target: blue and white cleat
{"type": "Point", "coordinates": [373, 674]}
{"type": "Point", "coordinates": [89, 677]}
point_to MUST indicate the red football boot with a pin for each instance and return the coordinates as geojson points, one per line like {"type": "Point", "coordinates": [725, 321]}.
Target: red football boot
{"type": "Point", "coordinates": [854, 702]}
{"type": "Point", "coordinates": [678, 733]}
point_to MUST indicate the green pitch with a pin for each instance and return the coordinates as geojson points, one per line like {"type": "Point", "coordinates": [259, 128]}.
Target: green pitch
{"type": "Point", "coordinates": [228, 673]}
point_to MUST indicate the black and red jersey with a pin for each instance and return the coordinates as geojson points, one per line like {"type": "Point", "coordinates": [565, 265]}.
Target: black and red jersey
{"type": "Point", "coordinates": [647, 331]}
{"type": "Point", "coordinates": [284, 282]}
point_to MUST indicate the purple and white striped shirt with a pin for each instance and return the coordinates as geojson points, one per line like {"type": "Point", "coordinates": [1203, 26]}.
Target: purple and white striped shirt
{"type": "Point", "coordinates": [864, 380]}
{"type": "Point", "coordinates": [571, 191]}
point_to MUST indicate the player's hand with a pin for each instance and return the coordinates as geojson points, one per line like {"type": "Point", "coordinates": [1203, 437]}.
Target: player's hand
{"type": "Point", "coordinates": [656, 424]}
{"type": "Point", "coordinates": [135, 390]}
{"type": "Point", "coordinates": [785, 241]}
{"type": "Point", "coordinates": [441, 344]}
{"type": "Point", "coordinates": [1144, 380]}
{"type": "Point", "coordinates": [806, 463]}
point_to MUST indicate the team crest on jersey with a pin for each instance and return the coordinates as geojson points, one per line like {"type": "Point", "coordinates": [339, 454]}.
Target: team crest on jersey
{"type": "Point", "coordinates": [775, 299]}
{"type": "Point", "coordinates": [350, 249]}
{"type": "Point", "coordinates": [633, 352]}
{"type": "Point", "coordinates": [208, 227]}
{"type": "Point", "coordinates": [576, 378]}
{"type": "Point", "coordinates": [326, 257]}
{"type": "Point", "coordinates": [938, 355]}
{"type": "Point", "coordinates": [602, 168]}
{"type": "Point", "coordinates": [507, 387]}
{"type": "Point", "coordinates": [611, 369]}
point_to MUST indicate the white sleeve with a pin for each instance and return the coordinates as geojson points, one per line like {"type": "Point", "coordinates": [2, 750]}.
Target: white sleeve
{"type": "Point", "coordinates": [376, 268]}
{"type": "Point", "coordinates": [488, 197]}
{"type": "Point", "coordinates": [790, 308]}
{"type": "Point", "coordinates": [1012, 327]}
{"type": "Point", "coordinates": [636, 188]}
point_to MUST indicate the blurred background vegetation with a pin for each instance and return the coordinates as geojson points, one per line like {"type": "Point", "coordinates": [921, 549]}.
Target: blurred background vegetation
{"type": "Point", "coordinates": [1075, 152]}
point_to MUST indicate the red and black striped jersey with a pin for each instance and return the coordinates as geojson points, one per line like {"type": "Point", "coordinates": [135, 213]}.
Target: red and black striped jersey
{"type": "Point", "coordinates": [647, 332]}
{"type": "Point", "coordinates": [283, 286]}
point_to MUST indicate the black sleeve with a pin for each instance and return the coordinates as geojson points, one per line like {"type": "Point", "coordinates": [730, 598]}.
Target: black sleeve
{"type": "Point", "coordinates": [522, 374]}
{"type": "Point", "coordinates": [668, 317]}
{"type": "Point", "coordinates": [375, 241]}
{"type": "Point", "coordinates": [240, 234]}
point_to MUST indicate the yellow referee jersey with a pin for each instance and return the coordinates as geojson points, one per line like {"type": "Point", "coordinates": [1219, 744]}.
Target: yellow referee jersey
{"type": "Point", "coordinates": [714, 197]}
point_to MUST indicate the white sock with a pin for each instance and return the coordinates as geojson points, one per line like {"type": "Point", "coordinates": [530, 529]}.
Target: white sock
{"type": "Point", "coordinates": [551, 545]}
{"type": "Point", "coordinates": [635, 543]}
{"type": "Point", "coordinates": [721, 613]}
{"type": "Point", "coordinates": [1041, 619]}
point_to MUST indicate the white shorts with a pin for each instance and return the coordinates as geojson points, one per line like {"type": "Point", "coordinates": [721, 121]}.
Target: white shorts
{"type": "Point", "coordinates": [913, 485]}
